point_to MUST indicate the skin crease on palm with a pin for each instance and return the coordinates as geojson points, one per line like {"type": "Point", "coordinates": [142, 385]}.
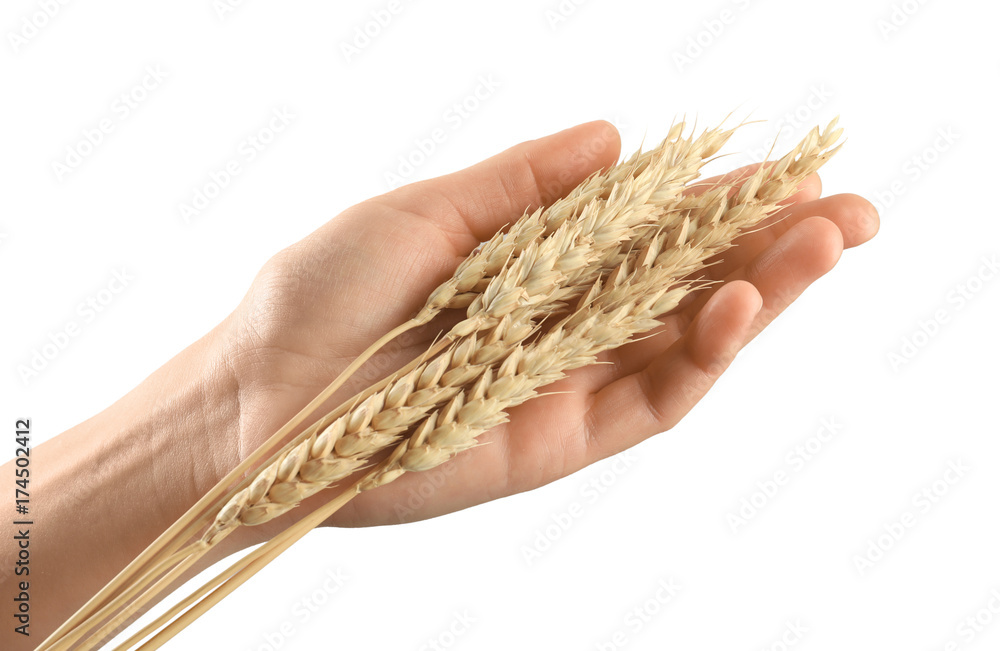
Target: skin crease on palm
{"type": "Point", "coordinates": [319, 303]}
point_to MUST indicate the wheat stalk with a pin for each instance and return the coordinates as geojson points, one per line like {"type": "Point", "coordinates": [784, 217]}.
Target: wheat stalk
{"type": "Point", "coordinates": [621, 248]}
{"type": "Point", "coordinates": [625, 303]}
{"type": "Point", "coordinates": [659, 173]}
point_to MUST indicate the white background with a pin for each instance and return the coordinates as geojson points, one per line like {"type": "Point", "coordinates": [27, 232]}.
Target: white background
{"type": "Point", "coordinates": [666, 516]}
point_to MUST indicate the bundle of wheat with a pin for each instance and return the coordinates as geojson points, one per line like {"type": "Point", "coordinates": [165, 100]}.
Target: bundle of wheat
{"type": "Point", "coordinates": [562, 284]}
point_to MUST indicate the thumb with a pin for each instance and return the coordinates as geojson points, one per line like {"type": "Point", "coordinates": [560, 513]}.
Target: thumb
{"type": "Point", "coordinates": [472, 204]}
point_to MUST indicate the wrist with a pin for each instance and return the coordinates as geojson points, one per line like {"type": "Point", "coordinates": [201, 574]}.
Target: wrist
{"type": "Point", "coordinates": [171, 438]}
{"type": "Point", "coordinates": [126, 474]}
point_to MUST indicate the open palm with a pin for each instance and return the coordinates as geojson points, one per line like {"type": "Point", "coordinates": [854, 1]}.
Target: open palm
{"type": "Point", "coordinates": [319, 303]}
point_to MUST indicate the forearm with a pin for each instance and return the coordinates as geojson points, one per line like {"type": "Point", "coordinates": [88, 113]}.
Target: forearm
{"type": "Point", "coordinates": [103, 490]}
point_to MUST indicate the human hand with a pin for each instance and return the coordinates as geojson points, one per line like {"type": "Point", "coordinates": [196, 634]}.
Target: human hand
{"type": "Point", "coordinates": [318, 304]}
